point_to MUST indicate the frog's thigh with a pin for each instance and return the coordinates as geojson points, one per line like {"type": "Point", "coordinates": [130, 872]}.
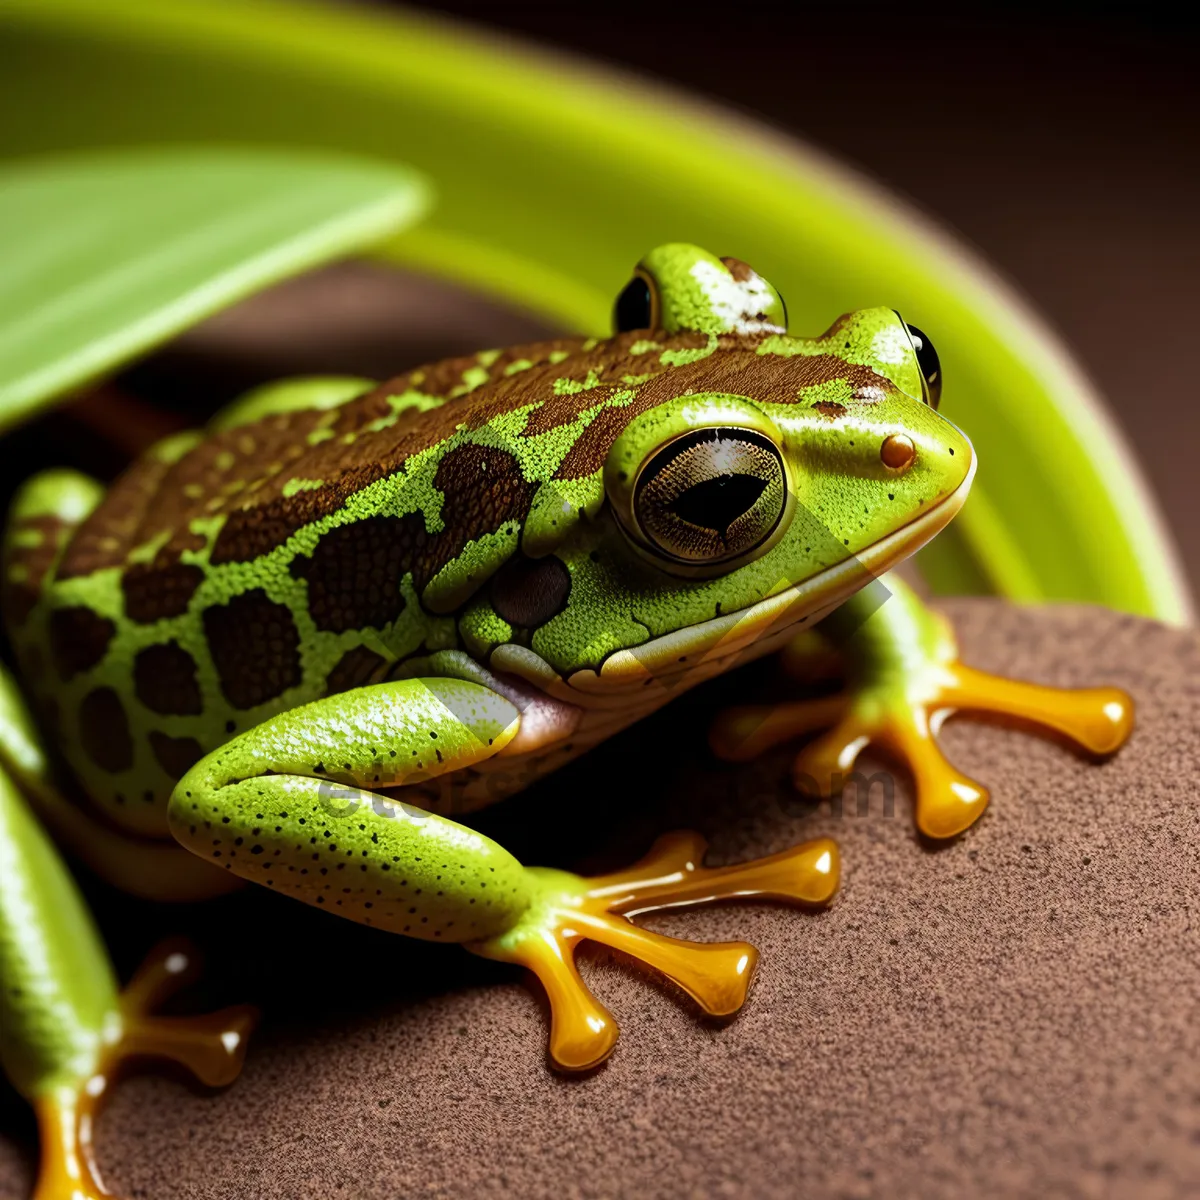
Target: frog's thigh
{"type": "Point", "coordinates": [283, 805]}
{"type": "Point", "coordinates": [45, 512]}
{"type": "Point", "coordinates": [289, 395]}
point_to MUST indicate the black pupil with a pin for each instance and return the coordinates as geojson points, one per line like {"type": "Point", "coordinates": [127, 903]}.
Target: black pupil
{"type": "Point", "coordinates": [928, 361]}
{"type": "Point", "coordinates": [632, 309]}
{"type": "Point", "coordinates": [927, 356]}
{"type": "Point", "coordinates": [717, 503]}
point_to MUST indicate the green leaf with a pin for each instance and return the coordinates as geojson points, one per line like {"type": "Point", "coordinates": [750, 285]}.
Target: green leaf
{"type": "Point", "coordinates": [108, 254]}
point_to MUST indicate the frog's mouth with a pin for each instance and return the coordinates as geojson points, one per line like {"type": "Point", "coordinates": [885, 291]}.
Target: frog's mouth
{"type": "Point", "coordinates": [686, 657]}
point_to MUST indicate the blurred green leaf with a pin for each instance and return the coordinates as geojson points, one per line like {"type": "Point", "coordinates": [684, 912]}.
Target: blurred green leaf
{"type": "Point", "coordinates": [104, 255]}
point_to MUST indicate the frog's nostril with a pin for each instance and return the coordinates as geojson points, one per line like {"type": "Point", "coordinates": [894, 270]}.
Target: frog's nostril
{"type": "Point", "coordinates": [897, 451]}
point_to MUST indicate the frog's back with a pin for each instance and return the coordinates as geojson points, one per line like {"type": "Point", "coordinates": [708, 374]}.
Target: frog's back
{"type": "Point", "coordinates": [227, 578]}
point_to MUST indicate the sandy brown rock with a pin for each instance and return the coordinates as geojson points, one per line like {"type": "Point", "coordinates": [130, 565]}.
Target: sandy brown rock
{"type": "Point", "coordinates": [1017, 1014]}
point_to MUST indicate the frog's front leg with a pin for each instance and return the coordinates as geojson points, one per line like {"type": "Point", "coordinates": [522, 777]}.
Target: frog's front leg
{"type": "Point", "coordinates": [904, 679]}
{"type": "Point", "coordinates": [285, 805]}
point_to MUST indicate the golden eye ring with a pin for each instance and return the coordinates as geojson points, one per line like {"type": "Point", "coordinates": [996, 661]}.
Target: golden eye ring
{"type": "Point", "coordinates": [714, 495]}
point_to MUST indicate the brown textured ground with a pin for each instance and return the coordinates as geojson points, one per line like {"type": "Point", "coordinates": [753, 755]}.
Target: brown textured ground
{"type": "Point", "coordinates": [1015, 1015]}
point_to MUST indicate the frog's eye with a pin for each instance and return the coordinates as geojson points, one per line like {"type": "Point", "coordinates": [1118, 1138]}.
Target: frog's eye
{"type": "Point", "coordinates": [711, 495]}
{"type": "Point", "coordinates": [928, 361]}
{"type": "Point", "coordinates": [930, 364]}
{"type": "Point", "coordinates": [637, 305]}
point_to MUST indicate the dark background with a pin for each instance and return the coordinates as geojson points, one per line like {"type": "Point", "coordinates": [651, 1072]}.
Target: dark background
{"type": "Point", "coordinates": [1061, 141]}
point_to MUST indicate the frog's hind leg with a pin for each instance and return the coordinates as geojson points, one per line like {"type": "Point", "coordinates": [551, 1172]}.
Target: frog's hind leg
{"type": "Point", "coordinates": [904, 679]}
{"type": "Point", "coordinates": [266, 808]}
{"type": "Point", "coordinates": [153, 869]}
{"type": "Point", "coordinates": [64, 1026]}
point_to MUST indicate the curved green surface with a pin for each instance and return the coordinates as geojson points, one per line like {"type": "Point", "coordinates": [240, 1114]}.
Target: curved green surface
{"type": "Point", "coordinates": [553, 179]}
{"type": "Point", "coordinates": [107, 254]}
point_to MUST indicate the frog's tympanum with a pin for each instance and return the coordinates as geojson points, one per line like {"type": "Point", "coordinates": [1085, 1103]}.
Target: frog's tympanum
{"type": "Point", "coordinates": [285, 648]}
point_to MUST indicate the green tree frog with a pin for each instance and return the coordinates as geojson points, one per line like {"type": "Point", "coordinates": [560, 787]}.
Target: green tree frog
{"type": "Point", "coordinates": [293, 647]}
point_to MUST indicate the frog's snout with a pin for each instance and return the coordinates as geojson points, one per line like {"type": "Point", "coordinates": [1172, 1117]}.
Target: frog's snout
{"type": "Point", "coordinates": [921, 462]}
{"type": "Point", "coordinates": [954, 458]}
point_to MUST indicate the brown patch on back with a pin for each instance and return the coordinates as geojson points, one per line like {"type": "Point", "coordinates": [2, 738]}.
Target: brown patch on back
{"type": "Point", "coordinates": [255, 647]}
{"type": "Point", "coordinates": [241, 474]}
{"type": "Point", "coordinates": [110, 531]}
{"type": "Point", "coordinates": [829, 408]}
{"type": "Point", "coordinates": [355, 571]}
{"type": "Point", "coordinates": [256, 527]}
{"type": "Point", "coordinates": [738, 371]}
{"type": "Point", "coordinates": [104, 730]}
{"type": "Point", "coordinates": [442, 378]}
{"type": "Point", "coordinates": [527, 592]}
{"type": "Point", "coordinates": [355, 668]}
{"type": "Point", "coordinates": [164, 679]}
{"type": "Point", "coordinates": [484, 489]}
{"type": "Point", "coordinates": [176, 756]}
{"type": "Point", "coordinates": [159, 589]}
{"type": "Point", "coordinates": [555, 411]}
{"type": "Point", "coordinates": [591, 448]}
{"type": "Point", "coordinates": [255, 530]}
{"type": "Point", "coordinates": [79, 639]}
{"type": "Point", "coordinates": [259, 517]}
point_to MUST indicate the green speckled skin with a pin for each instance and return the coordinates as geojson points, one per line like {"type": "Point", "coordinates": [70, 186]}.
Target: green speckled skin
{"type": "Point", "coordinates": [254, 617]}
{"type": "Point", "coordinates": [252, 808]}
{"type": "Point", "coordinates": [58, 994]}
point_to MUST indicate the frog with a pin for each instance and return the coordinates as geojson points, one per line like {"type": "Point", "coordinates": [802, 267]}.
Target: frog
{"type": "Point", "coordinates": [294, 649]}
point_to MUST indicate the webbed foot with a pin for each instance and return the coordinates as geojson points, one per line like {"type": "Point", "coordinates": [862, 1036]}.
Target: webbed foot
{"type": "Point", "coordinates": [905, 680]}
{"type": "Point", "coordinates": [716, 975]}
{"type": "Point", "coordinates": [211, 1047]}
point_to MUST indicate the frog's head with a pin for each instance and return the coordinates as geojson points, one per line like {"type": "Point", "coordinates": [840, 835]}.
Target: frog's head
{"type": "Point", "coordinates": [761, 479]}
